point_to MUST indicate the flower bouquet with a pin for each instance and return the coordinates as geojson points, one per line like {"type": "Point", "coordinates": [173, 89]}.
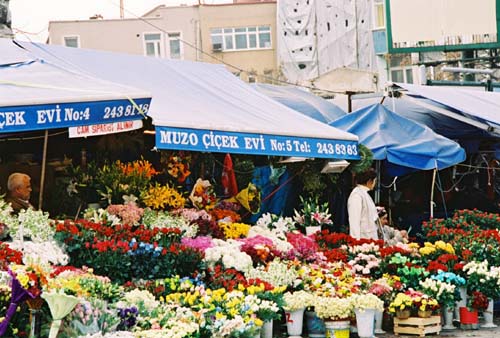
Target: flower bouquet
{"type": "Point", "coordinates": [249, 198]}
{"type": "Point", "coordinates": [333, 308]}
{"type": "Point", "coordinates": [367, 301]}
{"type": "Point", "coordinates": [312, 214]}
{"type": "Point", "coordinates": [481, 277]}
{"type": "Point", "coordinates": [477, 301]}
{"type": "Point", "coordinates": [178, 166]}
{"type": "Point", "coordinates": [203, 196]}
{"type": "Point", "coordinates": [159, 197]}
{"type": "Point", "coordinates": [297, 300]}
{"type": "Point", "coordinates": [444, 293]}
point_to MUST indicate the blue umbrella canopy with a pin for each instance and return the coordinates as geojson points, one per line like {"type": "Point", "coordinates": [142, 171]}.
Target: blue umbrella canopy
{"type": "Point", "coordinates": [400, 141]}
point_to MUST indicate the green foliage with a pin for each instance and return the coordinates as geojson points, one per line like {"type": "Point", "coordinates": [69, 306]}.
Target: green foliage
{"type": "Point", "coordinates": [365, 162]}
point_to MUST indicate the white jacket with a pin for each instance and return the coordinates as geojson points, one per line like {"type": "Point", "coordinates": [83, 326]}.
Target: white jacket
{"type": "Point", "coordinates": [362, 214]}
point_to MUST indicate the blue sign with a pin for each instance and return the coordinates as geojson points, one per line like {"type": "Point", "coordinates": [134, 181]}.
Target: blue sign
{"type": "Point", "coordinates": [49, 116]}
{"type": "Point", "coordinates": [255, 144]}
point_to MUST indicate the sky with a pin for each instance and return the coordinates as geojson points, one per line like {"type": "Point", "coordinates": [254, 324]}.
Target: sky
{"type": "Point", "coordinates": [30, 18]}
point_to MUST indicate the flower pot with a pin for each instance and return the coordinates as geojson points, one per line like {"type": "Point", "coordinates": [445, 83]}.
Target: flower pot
{"type": "Point", "coordinates": [267, 329]}
{"type": "Point", "coordinates": [403, 314]}
{"type": "Point", "coordinates": [365, 320]}
{"type": "Point", "coordinates": [315, 325]}
{"type": "Point", "coordinates": [337, 328]}
{"type": "Point", "coordinates": [424, 314]}
{"type": "Point", "coordinates": [312, 230]}
{"type": "Point", "coordinates": [488, 316]}
{"type": "Point", "coordinates": [448, 318]}
{"type": "Point", "coordinates": [379, 317]}
{"type": "Point", "coordinates": [468, 317]}
{"type": "Point", "coordinates": [294, 321]}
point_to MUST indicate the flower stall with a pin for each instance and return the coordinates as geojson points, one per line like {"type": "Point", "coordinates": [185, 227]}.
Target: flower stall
{"type": "Point", "coordinates": [157, 260]}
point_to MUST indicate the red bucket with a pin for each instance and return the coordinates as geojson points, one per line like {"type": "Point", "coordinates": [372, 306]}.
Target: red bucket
{"type": "Point", "coordinates": [468, 317]}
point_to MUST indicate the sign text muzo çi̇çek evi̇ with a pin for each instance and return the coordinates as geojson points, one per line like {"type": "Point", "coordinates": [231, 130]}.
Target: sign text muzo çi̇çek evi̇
{"type": "Point", "coordinates": [246, 143]}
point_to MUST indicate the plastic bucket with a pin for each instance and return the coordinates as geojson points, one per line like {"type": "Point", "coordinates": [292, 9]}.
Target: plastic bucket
{"type": "Point", "coordinates": [338, 329]}
{"type": "Point", "coordinates": [365, 320]}
{"type": "Point", "coordinates": [315, 325]}
{"type": "Point", "coordinates": [468, 317]}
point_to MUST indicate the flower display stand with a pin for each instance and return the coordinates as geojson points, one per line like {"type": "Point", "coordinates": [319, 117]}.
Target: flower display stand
{"type": "Point", "coordinates": [488, 316]}
{"type": "Point", "coordinates": [417, 326]}
{"type": "Point", "coordinates": [448, 318]}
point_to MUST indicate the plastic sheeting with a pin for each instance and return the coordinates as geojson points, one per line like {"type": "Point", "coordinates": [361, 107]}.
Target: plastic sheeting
{"type": "Point", "coordinates": [318, 36]}
{"type": "Point", "coordinates": [302, 101]}
{"type": "Point", "coordinates": [36, 94]}
{"type": "Point", "coordinates": [399, 140]}
{"type": "Point", "coordinates": [203, 107]}
{"type": "Point", "coordinates": [480, 106]}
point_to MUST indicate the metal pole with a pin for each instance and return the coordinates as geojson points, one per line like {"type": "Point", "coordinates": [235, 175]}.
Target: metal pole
{"type": "Point", "coordinates": [42, 174]}
{"type": "Point", "coordinates": [432, 192]}
{"type": "Point", "coordinates": [377, 189]}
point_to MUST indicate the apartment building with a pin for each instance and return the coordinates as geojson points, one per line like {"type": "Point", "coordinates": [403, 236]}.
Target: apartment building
{"type": "Point", "coordinates": [241, 35]}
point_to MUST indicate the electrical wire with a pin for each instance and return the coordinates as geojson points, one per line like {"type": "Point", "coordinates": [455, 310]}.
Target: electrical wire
{"type": "Point", "coordinates": [393, 183]}
{"type": "Point", "coordinates": [32, 137]}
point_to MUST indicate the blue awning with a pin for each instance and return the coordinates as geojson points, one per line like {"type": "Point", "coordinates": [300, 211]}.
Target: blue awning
{"type": "Point", "coordinates": [302, 101]}
{"type": "Point", "coordinates": [36, 94]}
{"type": "Point", "coordinates": [399, 140]}
{"type": "Point", "coordinates": [204, 107]}
{"type": "Point", "coordinates": [475, 107]}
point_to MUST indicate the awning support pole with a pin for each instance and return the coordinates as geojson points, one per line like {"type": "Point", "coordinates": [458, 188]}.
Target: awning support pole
{"type": "Point", "coordinates": [432, 193]}
{"type": "Point", "coordinates": [42, 174]}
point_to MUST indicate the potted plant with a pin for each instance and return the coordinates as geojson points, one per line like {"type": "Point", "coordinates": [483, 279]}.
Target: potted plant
{"type": "Point", "coordinates": [401, 305]}
{"type": "Point", "coordinates": [312, 215]}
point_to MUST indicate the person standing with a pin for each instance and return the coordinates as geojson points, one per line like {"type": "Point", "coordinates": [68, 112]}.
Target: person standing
{"type": "Point", "coordinates": [19, 192]}
{"type": "Point", "coordinates": [361, 209]}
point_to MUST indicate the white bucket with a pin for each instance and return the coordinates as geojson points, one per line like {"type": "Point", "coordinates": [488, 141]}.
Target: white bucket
{"type": "Point", "coordinates": [294, 322]}
{"type": "Point", "coordinates": [365, 320]}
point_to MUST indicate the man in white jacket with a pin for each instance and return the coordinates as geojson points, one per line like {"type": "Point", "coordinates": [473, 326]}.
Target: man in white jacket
{"type": "Point", "coordinates": [362, 211]}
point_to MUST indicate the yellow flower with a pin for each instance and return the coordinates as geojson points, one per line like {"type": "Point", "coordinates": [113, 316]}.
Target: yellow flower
{"type": "Point", "coordinates": [161, 197]}
{"type": "Point", "coordinates": [235, 230]}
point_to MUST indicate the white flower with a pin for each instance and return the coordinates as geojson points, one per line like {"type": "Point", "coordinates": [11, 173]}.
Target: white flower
{"type": "Point", "coordinates": [34, 224]}
{"type": "Point", "coordinates": [297, 300]}
{"type": "Point", "coordinates": [46, 252]}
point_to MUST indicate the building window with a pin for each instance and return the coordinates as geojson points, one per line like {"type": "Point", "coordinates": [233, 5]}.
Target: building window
{"type": "Point", "coordinates": [401, 68]}
{"type": "Point", "coordinates": [174, 45]}
{"type": "Point", "coordinates": [72, 41]}
{"type": "Point", "coordinates": [152, 44]}
{"type": "Point", "coordinates": [242, 38]}
{"type": "Point", "coordinates": [378, 14]}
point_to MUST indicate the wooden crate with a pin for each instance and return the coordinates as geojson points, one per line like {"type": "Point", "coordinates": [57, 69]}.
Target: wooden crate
{"type": "Point", "coordinates": [418, 326]}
